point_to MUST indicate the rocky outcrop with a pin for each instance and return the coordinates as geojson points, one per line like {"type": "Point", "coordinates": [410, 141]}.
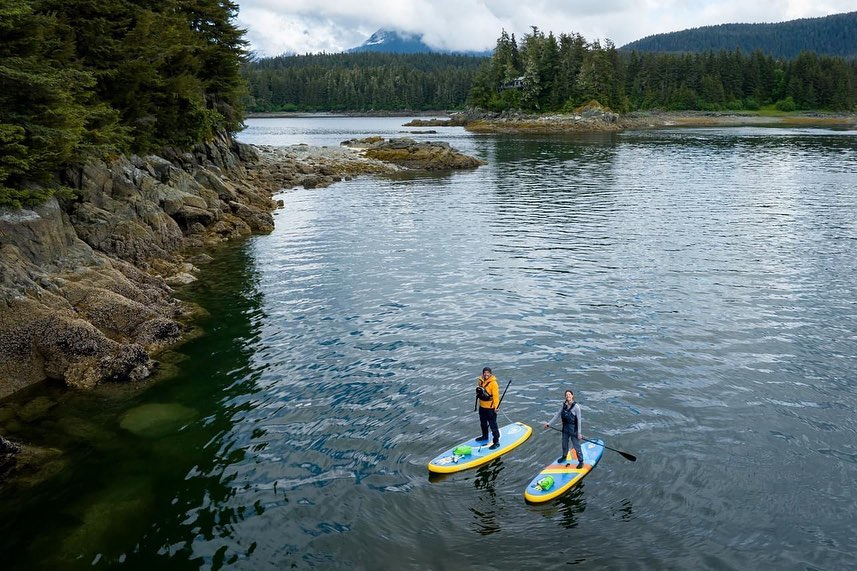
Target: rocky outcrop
{"type": "Point", "coordinates": [589, 117]}
{"type": "Point", "coordinates": [594, 117]}
{"type": "Point", "coordinates": [454, 121]}
{"type": "Point", "coordinates": [55, 292]}
{"type": "Point", "coordinates": [85, 294]}
{"type": "Point", "coordinates": [8, 451]}
{"type": "Point", "coordinates": [311, 166]}
{"type": "Point", "coordinates": [413, 155]}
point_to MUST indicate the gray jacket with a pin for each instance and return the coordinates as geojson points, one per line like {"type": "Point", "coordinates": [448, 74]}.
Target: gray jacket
{"type": "Point", "coordinates": [575, 408]}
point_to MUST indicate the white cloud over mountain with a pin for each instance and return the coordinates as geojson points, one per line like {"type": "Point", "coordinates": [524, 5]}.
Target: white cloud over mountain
{"type": "Point", "coordinates": [311, 26]}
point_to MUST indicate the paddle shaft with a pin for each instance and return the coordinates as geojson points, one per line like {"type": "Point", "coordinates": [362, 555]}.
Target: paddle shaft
{"type": "Point", "coordinates": [625, 455]}
{"type": "Point", "coordinates": [504, 394]}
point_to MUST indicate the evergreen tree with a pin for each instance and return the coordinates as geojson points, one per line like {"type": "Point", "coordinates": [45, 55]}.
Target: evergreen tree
{"type": "Point", "coordinates": [549, 69]}
{"type": "Point", "coordinates": [572, 50]}
{"type": "Point", "coordinates": [171, 67]}
{"type": "Point", "coordinates": [221, 51]}
{"type": "Point", "coordinates": [533, 87]}
{"type": "Point", "coordinates": [597, 75]}
{"type": "Point", "coordinates": [48, 115]}
{"type": "Point", "coordinates": [83, 78]}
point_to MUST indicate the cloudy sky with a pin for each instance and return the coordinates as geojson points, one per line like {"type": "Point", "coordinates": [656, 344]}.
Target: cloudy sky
{"type": "Point", "coordinates": [275, 27]}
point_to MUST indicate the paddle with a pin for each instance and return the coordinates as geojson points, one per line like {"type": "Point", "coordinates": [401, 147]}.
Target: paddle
{"type": "Point", "coordinates": [625, 455]}
{"type": "Point", "coordinates": [503, 395]}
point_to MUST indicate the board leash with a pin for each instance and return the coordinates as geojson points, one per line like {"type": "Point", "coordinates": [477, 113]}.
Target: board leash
{"type": "Point", "coordinates": [503, 412]}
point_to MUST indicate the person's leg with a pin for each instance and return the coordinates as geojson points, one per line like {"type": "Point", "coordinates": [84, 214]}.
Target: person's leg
{"type": "Point", "coordinates": [483, 423]}
{"type": "Point", "coordinates": [495, 431]}
{"type": "Point", "coordinates": [565, 436]}
{"type": "Point", "coordinates": [576, 443]}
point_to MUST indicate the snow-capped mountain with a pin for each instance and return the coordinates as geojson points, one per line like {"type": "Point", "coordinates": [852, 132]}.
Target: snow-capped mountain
{"type": "Point", "coordinates": [393, 42]}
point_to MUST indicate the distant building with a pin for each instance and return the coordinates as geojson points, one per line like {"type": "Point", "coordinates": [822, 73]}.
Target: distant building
{"type": "Point", "coordinates": [517, 83]}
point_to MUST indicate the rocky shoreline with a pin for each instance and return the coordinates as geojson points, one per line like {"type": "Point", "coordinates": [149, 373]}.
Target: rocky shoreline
{"type": "Point", "coordinates": [593, 118]}
{"type": "Point", "coordinates": [660, 119]}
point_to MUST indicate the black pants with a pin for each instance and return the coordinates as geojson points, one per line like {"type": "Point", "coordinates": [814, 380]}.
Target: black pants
{"type": "Point", "coordinates": [488, 417]}
{"type": "Point", "coordinates": [568, 433]}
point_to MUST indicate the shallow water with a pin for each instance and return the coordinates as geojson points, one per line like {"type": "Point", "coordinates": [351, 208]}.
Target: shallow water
{"type": "Point", "coordinates": [696, 287]}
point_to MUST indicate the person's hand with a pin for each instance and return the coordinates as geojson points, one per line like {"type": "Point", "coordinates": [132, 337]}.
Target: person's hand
{"type": "Point", "coordinates": [547, 425]}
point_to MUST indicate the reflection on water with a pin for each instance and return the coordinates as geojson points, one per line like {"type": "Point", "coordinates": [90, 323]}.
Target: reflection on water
{"type": "Point", "coordinates": [694, 287]}
{"type": "Point", "coordinates": [566, 509]}
{"type": "Point", "coordinates": [485, 514]}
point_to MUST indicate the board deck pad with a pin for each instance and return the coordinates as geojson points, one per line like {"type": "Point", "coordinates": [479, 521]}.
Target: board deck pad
{"type": "Point", "coordinates": [511, 436]}
{"type": "Point", "coordinates": [565, 475]}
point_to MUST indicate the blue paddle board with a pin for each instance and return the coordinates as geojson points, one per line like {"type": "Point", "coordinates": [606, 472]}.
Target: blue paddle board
{"type": "Point", "coordinates": [511, 436]}
{"type": "Point", "coordinates": [556, 479]}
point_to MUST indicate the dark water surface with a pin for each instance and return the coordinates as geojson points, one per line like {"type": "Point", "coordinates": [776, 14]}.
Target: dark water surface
{"type": "Point", "coordinates": [697, 288]}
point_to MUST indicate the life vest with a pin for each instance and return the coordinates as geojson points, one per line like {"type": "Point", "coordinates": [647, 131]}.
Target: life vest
{"type": "Point", "coordinates": [569, 415]}
{"type": "Point", "coordinates": [492, 388]}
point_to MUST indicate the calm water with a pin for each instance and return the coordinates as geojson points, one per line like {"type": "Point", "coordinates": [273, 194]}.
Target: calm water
{"type": "Point", "coordinates": [697, 288]}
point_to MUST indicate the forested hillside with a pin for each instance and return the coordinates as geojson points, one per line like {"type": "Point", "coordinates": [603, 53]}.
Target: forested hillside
{"type": "Point", "coordinates": [550, 74]}
{"type": "Point", "coordinates": [834, 35]}
{"type": "Point", "coordinates": [360, 81]}
{"type": "Point", "coordinates": [82, 78]}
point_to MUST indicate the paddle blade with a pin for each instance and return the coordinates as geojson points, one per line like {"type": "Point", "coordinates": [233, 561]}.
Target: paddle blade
{"type": "Point", "coordinates": [625, 455]}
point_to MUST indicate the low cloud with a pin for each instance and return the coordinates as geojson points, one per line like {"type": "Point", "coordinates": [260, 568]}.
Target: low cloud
{"type": "Point", "coordinates": [301, 26]}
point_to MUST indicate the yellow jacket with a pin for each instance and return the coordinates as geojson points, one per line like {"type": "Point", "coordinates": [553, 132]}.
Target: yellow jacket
{"type": "Point", "coordinates": [492, 388]}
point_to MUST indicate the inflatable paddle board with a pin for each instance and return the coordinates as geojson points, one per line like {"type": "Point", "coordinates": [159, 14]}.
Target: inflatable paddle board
{"type": "Point", "coordinates": [556, 479]}
{"type": "Point", "coordinates": [471, 453]}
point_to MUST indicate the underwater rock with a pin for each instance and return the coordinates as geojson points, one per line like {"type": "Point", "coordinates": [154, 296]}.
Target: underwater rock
{"type": "Point", "coordinates": [108, 518]}
{"type": "Point", "coordinates": [156, 419]}
{"type": "Point", "coordinates": [36, 409]}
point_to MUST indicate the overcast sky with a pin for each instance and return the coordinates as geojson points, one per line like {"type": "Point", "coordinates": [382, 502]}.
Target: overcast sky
{"type": "Point", "coordinates": [275, 27]}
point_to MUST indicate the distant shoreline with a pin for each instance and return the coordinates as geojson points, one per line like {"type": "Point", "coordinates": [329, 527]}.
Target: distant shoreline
{"type": "Point", "coordinates": [635, 120]}
{"type": "Point", "coordinates": [658, 119]}
{"type": "Point", "coordinates": [335, 114]}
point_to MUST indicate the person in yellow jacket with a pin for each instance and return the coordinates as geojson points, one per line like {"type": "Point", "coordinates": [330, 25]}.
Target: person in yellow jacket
{"type": "Point", "coordinates": [488, 396]}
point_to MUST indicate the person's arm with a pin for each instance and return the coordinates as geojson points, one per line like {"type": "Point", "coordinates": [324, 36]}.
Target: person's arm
{"type": "Point", "coordinates": [555, 417]}
{"type": "Point", "coordinates": [495, 395]}
{"type": "Point", "coordinates": [579, 422]}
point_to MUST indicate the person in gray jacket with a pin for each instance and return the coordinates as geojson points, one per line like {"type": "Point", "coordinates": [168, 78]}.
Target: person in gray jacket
{"type": "Point", "coordinates": [572, 425]}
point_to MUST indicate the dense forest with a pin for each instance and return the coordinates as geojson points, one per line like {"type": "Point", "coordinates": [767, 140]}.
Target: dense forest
{"type": "Point", "coordinates": [834, 35]}
{"type": "Point", "coordinates": [549, 74]}
{"type": "Point", "coordinates": [85, 78]}
{"type": "Point", "coordinates": [360, 81]}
